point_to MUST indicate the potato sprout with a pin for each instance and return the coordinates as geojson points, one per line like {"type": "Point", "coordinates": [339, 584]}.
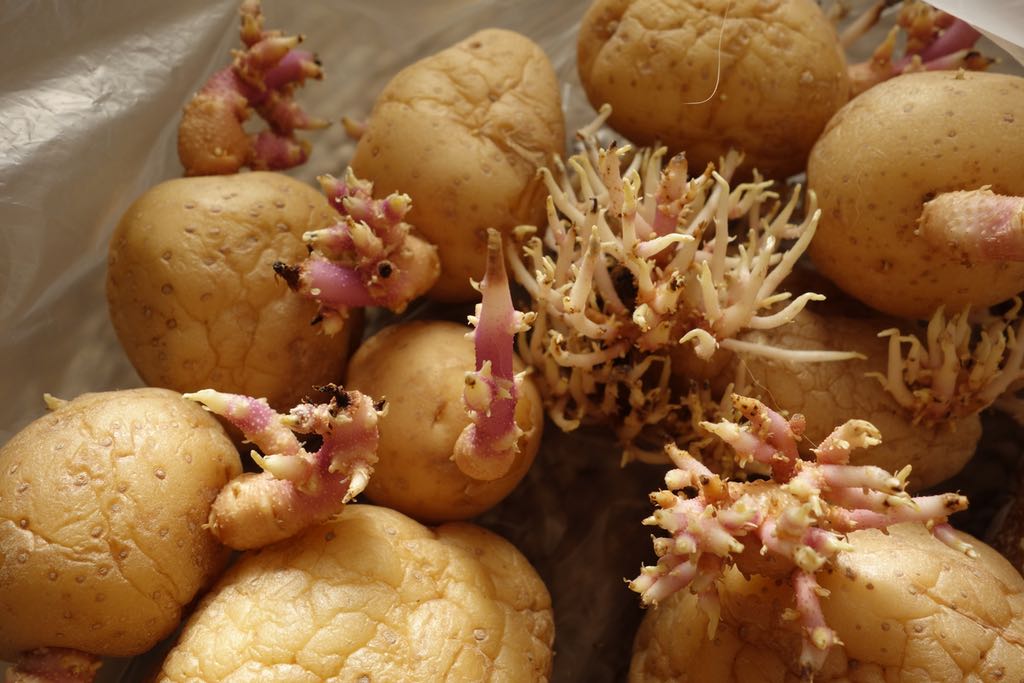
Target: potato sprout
{"type": "Point", "coordinates": [263, 76]}
{"type": "Point", "coordinates": [368, 258]}
{"type": "Point", "coordinates": [960, 368]}
{"type": "Point", "coordinates": [790, 525]}
{"type": "Point", "coordinates": [296, 488]}
{"type": "Point", "coordinates": [636, 260]}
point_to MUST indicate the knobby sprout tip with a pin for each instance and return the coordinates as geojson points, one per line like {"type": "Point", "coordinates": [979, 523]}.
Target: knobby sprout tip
{"type": "Point", "coordinates": [487, 447]}
{"type": "Point", "coordinates": [296, 488]}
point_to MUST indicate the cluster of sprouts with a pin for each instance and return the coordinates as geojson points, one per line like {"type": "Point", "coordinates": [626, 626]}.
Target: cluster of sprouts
{"type": "Point", "coordinates": [487, 447]}
{"type": "Point", "coordinates": [297, 488]}
{"type": "Point", "coordinates": [962, 367]}
{"type": "Point", "coordinates": [933, 40]}
{"type": "Point", "coordinates": [262, 77]}
{"type": "Point", "coordinates": [790, 525]}
{"type": "Point", "coordinates": [637, 258]}
{"type": "Point", "coordinates": [368, 258]}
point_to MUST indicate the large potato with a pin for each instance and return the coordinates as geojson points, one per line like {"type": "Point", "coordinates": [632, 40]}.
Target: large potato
{"type": "Point", "coordinates": [677, 72]}
{"type": "Point", "coordinates": [906, 607]}
{"type": "Point", "coordinates": [463, 132]}
{"type": "Point", "coordinates": [419, 368]}
{"type": "Point", "coordinates": [103, 506]}
{"type": "Point", "coordinates": [194, 297]}
{"type": "Point", "coordinates": [372, 597]}
{"type": "Point", "coordinates": [889, 151]}
{"type": "Point", "coordinates": [829, 394]}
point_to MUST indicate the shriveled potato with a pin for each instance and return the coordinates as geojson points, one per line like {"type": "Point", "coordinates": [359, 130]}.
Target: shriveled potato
{"type": "Point", "coordinates": [463, 132]}
{"type": "Point", "coordinates": [103, 504]}
{"type": "Point", "coordinates": [765, 80]}
{"type": "Point", "coordinates": [885, 154]}
{"type": "Point", "coordinates": [830, 393]}
{"type": "Point", "coordinates": [419, 369]}
{"type": "Point", "coordinates": [373, 596]}
{"type": "Point", "coordinates": [906, 608]}
{"type": "Point", "coordinates": [194, 298]}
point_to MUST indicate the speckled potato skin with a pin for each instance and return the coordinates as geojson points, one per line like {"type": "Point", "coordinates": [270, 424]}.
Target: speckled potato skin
{"type": "Point", "coordinates": [907, 608]}
{"type": "Point", "coordinates": [828, 394]}
{"type": "Point", "coordinates": [103, 504]}
{"type": "Point", "coordinates": [656, 62]}
{"type": "Point", "coordinates": [886, 153]}
{"type": "Point", "coordinates": [372, 597]}
{"type": "Point", "coordinates": [194, 298]}
{"type": "Point", "coordinates": [419, 368]}
{"type": "Point", "coordinates": [463, 132]}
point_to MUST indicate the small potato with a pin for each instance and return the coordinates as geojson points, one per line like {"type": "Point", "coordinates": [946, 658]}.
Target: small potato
{"type": "Point", "coordinates": [372, 596]}
{"type": "Point", "coordinates": [831, 393]}
{"type": "Point", "coordinates": [889, 151]}
{"type": "Point", "coordinates": [419, 369]}
{"type": "Point", "coordinates": [194, 298]}
{"type": "Point", "coordinates": [905, 606]}
{"type": "Point", "coordinates": [764, 81]}
{"type": "Point", "coordinates": [103, 506]}
{"type": "Point", "coordinates": [463, 132]}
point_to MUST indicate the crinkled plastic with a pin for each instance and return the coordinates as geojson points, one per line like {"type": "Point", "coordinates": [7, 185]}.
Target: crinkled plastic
{"type": "Point", "coordinates": [90, 97]}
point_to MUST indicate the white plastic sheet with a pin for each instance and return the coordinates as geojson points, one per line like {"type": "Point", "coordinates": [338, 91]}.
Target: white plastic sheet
{"type": "Point", "coordinates": [90, 96]}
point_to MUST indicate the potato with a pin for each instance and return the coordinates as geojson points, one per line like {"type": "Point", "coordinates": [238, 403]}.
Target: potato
{"type": "Point", "coordinates": [463, 132]}
{"type": "Point", "coordinates": [828, 394]}
{"type": "Point", "coordinates": [103, 504]}
{"type": "Point", "coordinates": [373, 596]}
{"type": "Point", "coordinates": [194, 298]}
{"type": "Point", "coordinates": [907, 608]}
{"type": "Point", "coordinates": [764, 81]}
{"type": "Point", "coordinates": [419, 369]}
{"type": "Point", "coordinates": [889, 151]}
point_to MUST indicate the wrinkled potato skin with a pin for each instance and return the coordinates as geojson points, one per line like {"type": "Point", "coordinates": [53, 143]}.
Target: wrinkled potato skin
{"type": "Point", "coordinates": [907, 608]}
{"type": "Point", "coordinates": [419, 368]}
{"type": "Point", "coordinates": [829, 394]}
{"type": "Point", "coordinates": [194, 297]}
{"type": "Point", "coordinates": [463, 132]}
{"type": "Point", "coordinates": [372, 594]}
{"type": "Point", "coordinates": [886, 153]}
{"type": "Point", "coordinates": [783, 75]}
{"type": "Point", "coordinates": [102, 507]}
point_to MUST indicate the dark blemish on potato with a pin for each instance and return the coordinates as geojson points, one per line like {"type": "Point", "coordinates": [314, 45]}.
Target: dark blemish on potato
{"type": "Point", "coordinates": [189, 206]}
{"type": "Point", "coordinates": [167, 288]}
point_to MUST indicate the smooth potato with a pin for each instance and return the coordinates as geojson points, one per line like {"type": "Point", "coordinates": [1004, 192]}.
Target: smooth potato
{"type": "Point", "coordinates": [419, 369]}
{"type": "Point", "coordinates": [885, 154]}
{"type": "Point", "coordinates": [103, 506]}
{"type": "Point", "coordinates": [373, 596]}
{"type": "Point", "coordinates": [194, 298]}
{"type": "Point", "coordinates": [676, 72]}
{"type": "Point", "coordinates": [463, 132]}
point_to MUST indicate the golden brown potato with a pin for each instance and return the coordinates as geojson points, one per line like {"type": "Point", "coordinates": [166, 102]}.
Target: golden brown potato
{"type": "Point", "coordinates": [373, 596]}
{"type": "Point", "coordinates": [419, 369]}
{"type": "Point", "coordinates": [907, 607]}
{"type": "Point", "coordinates": [765, 84]}
{"type": "Point", "coordinates": [889, 151]}
{"type": "Point", "coordinates": [463, 132]}
{"type": "Point", "coordinates": [828, 394]}
{"type": "Point", "coordinates": [103, 504]}
{"type": "Point", "coordinates": [194, 297]}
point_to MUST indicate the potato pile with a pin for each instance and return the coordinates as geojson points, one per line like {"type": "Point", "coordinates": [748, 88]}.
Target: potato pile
{"type": "Point", "coordinates": [657, 282]}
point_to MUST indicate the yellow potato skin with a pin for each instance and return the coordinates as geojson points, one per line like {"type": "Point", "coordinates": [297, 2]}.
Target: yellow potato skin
{"type": "Point", "coordinates": [907, 608]}
{"type": "Point", "coordinates": [103, 504]}
{"type": "Point", "coordinates": [194, 298]}
{"type": "Point", "coordinates": [887, 152]}
{"type": "Point", "coordinates": [463, 132]}
{"type": "Point", "coordinates": [419, 368]}
{"type": "Point", "coordinates": [373, 596]}
{"type": "Point", "coordinates": [829, 394]}
{"type": "Point", "coordinates": [767, 90]}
